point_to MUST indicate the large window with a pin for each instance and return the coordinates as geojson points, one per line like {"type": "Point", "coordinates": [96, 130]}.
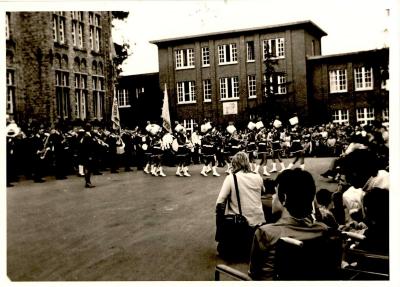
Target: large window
{"type": "Point", "coordinates": [81, 95]}
{"type": "Point", "coordinates": [207, 90]}
{"type": "Point", "coordinates": [275, 47]}
{"type": "Point", "coordinates": [363, 78]}
{"type": "Point", "coordinates": [340, 116]}
{"type": "Point", "coordinates": [59, 27]}
{"type": "Point", "coordinates": [338, 81]}
{"type": "Point", "coordinates": [139, 91]}
{"type": "Point", "coordinates": [94, 31]}
{"type": "Point", "coordinates": [229, 88]}
{"type": "Point", "coordinates": [123, 98]}
{"type": "Point", "coordinates": [62, 94]}
{"type": "Point", "coordinates": [250, 51]}
{"type": "Point", "coordinates": [251, 84]}
{"type": "Point", "coordinates": [10, 91]}
{"type": "Point", "coordinates": [186, 92]}
{"type": "Point", "coordinates": [227, 54]}
{"type": "Point", "coordinates": [98, 96]}
{"type": "Point", "coordinates": [277, 85]}
{"type": "Point", "coordinates": [205, 56]}
{"type": "Point", "coordinates": [184, 58]}
{"type": "Point", "coordinates": [77, 29]}
{"type": "Point", "coordinates": [365, 115]}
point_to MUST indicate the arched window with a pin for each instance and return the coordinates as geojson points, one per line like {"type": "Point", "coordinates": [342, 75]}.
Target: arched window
{"type": "Point", "coordinates": [101, 68]}
{"type": "Point", "coordinates": [64, 62]}
{"type": "Point", "coordinates": [83, 65]}
{"type": "Point", "coordinates": [77, 64]}
{"type": "Point", "coordinates": [94, 67]}
{"type": "Point", "coordinates": [57, 62]}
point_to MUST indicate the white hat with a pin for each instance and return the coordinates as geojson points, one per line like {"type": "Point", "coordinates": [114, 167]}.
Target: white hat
{"type": "Point", "coordinates": [251, 126]}
{"type": "Point", "coordinates": [277, 124]}
{"type": "Point", "coordinates": [231, 129]}
{"type": "Point", "coordinates": [294, 121]}
{"type": "Point", "coordinates": [179, 128]}
{"type": "Point", "coordinates": [205, 127]}
{"type": "Point", "coordinates": [154, 129]}
{"type": "Point", "coordinates": [12, 130]}
{"type": "Point", "coordinates": [259, 125]}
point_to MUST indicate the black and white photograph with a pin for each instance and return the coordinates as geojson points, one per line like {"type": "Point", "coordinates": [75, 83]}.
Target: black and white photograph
{"type": "Point", "coordinates": [204, 141]}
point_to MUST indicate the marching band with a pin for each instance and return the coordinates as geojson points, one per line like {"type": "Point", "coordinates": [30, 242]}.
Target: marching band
{"type": "Point", "coordinates": [151, 147]}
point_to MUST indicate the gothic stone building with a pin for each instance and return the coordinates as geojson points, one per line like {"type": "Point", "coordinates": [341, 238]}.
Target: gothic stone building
{"type": "Point", "coordinates": [58, 66]}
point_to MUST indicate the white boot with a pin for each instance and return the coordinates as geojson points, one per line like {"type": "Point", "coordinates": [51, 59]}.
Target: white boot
{"type": "Point", "coordinates": [160, 170]}
{"type": "Point", "coordinates": [266, 173]}
{"type": "Point", "coordinates": [146, 169]}
{"type": "Point", "coordinates": [208, 169]}
{"type": "Point", "coordinates": [302, 166]}
{"type": "Point", "coordinates": [203, 171]}
{"type": "Point", "coordinates": [256, 168]}
{"type": "Point", "coordinates": [185, 171]}
{"type": "Point", "coordinates": [273, 167]}
{"type": "Point", "coordinates": [215, 173]}
{"type": "Point", "coordinates": [80, 170]}
{"type": "Point", "coordinates": [228, 169]}
{"type": "Point", "coordinates": [178, 171]}
{"type": "Point", "coordinates": [290, 166]}
{"type": "Point", "coordinates": [282, 166]}
{"type": "Point", "coordinates": [154, 170]}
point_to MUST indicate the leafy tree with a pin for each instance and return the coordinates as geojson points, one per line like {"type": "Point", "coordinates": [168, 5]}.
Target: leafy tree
{"type": "Point", "coordinates": [120, 15]}
{"type": "Point", "coordinates": [121, 51]}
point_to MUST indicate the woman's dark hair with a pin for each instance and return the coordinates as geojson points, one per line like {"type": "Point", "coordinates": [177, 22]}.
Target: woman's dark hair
{"type": "Point", "coordinates": [296, 190]}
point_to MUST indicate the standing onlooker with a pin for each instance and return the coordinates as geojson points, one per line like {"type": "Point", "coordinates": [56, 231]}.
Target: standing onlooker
{"type": "Point", "coordinates": [250, 186]}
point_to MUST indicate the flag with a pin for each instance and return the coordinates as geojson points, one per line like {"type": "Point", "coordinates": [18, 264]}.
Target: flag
{"type": "Point", "coordinates": [115, 113]}
{"type": "Point", "coordinates": [165, 112]}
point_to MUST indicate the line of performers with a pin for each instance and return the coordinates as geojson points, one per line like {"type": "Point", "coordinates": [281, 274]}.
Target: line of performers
{"type": "Point", "coordinates": [259, 142]}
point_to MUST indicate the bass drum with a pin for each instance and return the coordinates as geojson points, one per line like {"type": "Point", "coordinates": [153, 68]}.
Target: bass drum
{"type": "Point", "coordinates": [144, 146]}
{"type": "Point", "coordinates": [175, 145]}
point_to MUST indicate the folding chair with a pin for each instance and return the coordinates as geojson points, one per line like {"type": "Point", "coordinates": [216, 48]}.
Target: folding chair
{"type": "Point", "coordinates": [364, 264]}
{"type": "Point", "coordinates": [314, 259]}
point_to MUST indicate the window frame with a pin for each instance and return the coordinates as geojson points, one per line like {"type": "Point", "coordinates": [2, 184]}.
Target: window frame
{"type": "Point", "coordinates": [62, 86]}
{"type": "Point", "coordinates": [342, 116]}
{"type": "Point", "coordinates": [365, 119]}
{"type": "Point", "coordinates": [10, 83]}
{"type": "Point", "coordinates": [182, 56]}
{"type": "Point", "coordinates": [277, 50]}
{"type": "Point", "coordinates": [123, 98]}
{"type": "Point", "coordinates": [250, 52]}
{"type": "Point", "coordinates": [229, 85]}
{"type": "Point", "coordinates": [182, 92]}
{"type": "Point", "coordinates": [335, 85]}
{"type": "Point", "coordinates": [207, 91]}
{"type": "Point", "coordinates": [252, 86]}
{"type": "Point", "coordinates": [360, 79]}
{"type": "Point", "coordinates": [223, 51]}
{"type": "Point", "coordinates": [205, 56]}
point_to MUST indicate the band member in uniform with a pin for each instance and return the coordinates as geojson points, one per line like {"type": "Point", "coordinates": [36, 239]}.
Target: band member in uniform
{"type": "Point", "coordinates": [156, 151]}
{"type": "Point", "coordinates": [276, 149]}
{"type": "Point", "coordinates": [88, 146]}
{"type": "Point", "coordinates": [208, 151]}
{"type": "Point", "coordinates": [182, 152]}
{"type": "Point", "coordinates": [146, 149]}
{"type": "Point", "coordinates": [57, 144]}
{"type": "Point", "coordinates": [251, 147]}
{"type": "Point", "coordinates": [263, 150]}
{"type": "Point", "coordinates": [297, 147]}
{"type": "Point", "coordinates": [40, 149]}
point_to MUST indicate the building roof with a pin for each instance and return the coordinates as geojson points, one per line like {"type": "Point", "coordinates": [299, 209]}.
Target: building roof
{"type": "Point", "coordinates": [348, 54]}
{"type": "Point", "coordinates": [299, 24]}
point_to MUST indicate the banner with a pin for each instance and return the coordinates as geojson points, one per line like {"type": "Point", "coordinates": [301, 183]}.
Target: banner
{"type": "Point", "coordinates": [115, 113]}
{"type": "Point", "coordinates": [165, 111]}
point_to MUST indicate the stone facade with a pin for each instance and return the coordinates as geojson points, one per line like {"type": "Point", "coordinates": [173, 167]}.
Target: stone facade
{"type": "Point", "coordinates": [53, 74]}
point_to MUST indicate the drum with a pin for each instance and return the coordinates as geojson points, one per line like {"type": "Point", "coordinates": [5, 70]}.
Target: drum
{"type": "Point", "coordinates": [294, 121]}
{"type": "Point", "coordinates": [144, 146]}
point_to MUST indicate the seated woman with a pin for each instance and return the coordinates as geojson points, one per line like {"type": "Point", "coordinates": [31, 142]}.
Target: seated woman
{"type": "Point", "coordinates": [296, 191]}
{"type": "Point", "coordinates": [250, 186]}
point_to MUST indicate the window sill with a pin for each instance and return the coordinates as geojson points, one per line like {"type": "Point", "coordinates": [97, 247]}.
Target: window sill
{"type": "Point", "coordinates": [276, 58]}
{"type": "Point", "coordinates": [363, 89]}
{"type": "Point", "coordinates": [207, 101]}
{"type": "Point", "coordinates": [206, 66]}
{"type": "Point", "coordinates": [96, 53]}
{"type": "Point", "coordinates": [252, 97]}
{"type": "Point", "coordinates": [185, 103]}
{"type": "Point", "coordinates": [227, 63]}
{"type": "Point", "coordinates": [184, 68]}
{"type": "Point", "coordinates": [251, 61]}
{"type": "Point", "coordinates": [124, 107]}
{"type": "Point", "coordinates": [338, 92]}
{"type": "Point", "coordinates": [230, 99]}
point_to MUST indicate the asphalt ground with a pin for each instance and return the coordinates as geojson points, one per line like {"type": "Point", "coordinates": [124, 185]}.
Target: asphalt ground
{"type": "Point", "coordinates": [130, 227]}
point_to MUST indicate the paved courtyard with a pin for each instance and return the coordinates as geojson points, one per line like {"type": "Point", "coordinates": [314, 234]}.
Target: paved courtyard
{"type": "Point", "coordinates": [132, 226]}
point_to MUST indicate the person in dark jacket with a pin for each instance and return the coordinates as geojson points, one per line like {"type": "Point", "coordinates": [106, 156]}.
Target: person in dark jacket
{"type": "Point", "coordinates": [88, 145]}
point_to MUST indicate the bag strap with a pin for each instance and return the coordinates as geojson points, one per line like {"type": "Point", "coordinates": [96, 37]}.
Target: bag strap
{"type": "Point", "coordinates": [237, 192]}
